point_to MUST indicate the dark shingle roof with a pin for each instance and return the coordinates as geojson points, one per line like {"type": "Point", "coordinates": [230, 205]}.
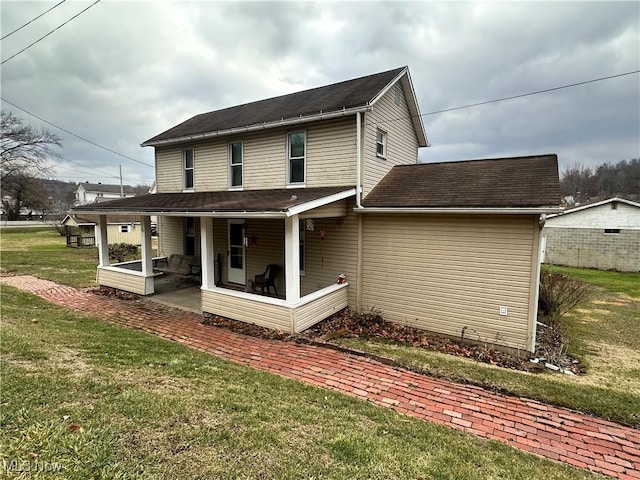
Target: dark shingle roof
{"type": "Point", "coordinates": [278, 200]}
{"type": "Point", "coordinates": [518, 182]}
{"type": "Point", "coordinates": [104, 188]}
{"type": "Point", "coordinates": [330, 98]}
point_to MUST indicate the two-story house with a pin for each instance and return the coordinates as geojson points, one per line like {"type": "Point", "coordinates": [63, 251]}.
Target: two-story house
{"type": "Point", "coordinates": [326, 182]}
{"type": "Point", "coordinates": [87, 192]}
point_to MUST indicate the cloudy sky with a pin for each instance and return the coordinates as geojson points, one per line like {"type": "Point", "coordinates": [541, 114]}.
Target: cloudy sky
{"type": "Point", "coordinates": [123, 72]}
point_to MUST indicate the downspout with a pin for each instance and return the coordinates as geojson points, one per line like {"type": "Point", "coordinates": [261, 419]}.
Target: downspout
{"type": "Point", "coordinates": [359, 206]}
{"type": "Point", "coordinates": [536, 294]}
{"type": "Point", "coordinates": [358, 159]}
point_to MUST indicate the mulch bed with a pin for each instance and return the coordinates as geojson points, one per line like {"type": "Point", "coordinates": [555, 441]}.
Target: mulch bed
{"type": "Point", "coordinates": [113, 292]}
{"type": "Point", "coordinates": [347, 324]}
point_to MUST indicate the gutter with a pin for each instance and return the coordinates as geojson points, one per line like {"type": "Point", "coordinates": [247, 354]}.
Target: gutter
{"type": "Point", "coordinates": [486, 211]}
{"type": "Point", "coordinates": [212, 213]}
{"type": "Point", "coordinates": [262, 126]}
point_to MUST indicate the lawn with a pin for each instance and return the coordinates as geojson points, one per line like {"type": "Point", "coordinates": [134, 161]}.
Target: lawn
{"type": "Point", "coordinates": [85, 399]}
{"type": "Point", "coordinates": [43, 252]}
{"type": "Point", "coordinates": [604, 333]}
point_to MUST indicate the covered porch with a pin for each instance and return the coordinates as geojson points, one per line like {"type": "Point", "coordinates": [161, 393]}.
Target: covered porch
{"type": "Point", "coordinates": [233, 246]}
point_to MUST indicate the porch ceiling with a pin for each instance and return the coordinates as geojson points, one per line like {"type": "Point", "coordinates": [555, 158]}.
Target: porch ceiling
{"type": "Point", "coordinates": [274, 202]}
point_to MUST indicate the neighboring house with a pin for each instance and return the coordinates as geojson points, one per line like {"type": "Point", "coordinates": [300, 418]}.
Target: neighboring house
{"type": "Point", "coordinates": [603, 235]}
{"type": "Point", "coordinates": [81, 230]}
{"type": "Point", "coordinates": [87, 193]}
{"type": "Point", "coordinates": [326, 182]}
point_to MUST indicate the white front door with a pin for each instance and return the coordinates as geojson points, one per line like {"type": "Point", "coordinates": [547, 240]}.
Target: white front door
{"type": "Point", "coordinates": [236, 252]}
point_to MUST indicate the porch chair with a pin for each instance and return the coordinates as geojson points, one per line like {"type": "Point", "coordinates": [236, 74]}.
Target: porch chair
{"type": "Point", "coordinates": [267, 279]}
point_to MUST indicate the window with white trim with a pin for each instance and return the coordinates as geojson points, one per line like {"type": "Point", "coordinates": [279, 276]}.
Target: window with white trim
{"type": "Point", "coordinates": [381, 143]}
{"type": "Point", "coordinates": [296, 151]}
{"type": "Point", "coordinates": [188, 165]}
{"type": "Point", "coordinates": [235, 165]}
{"type": "Point", "coordinates": [124, 228]}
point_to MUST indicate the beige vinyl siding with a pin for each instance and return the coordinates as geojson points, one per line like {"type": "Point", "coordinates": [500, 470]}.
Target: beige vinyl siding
{"type": "Point", "coordinates": [134, 236]}
{"type": "Point", "coordinates": [331, 153]}
{"type": "Point", "coordinates": [126, 281]}
{"type": "Point", "coordinates": [317, 310]}
{"type": "Point", "coordinates": [330, 158]}
{"type": "Point", "coordinates": [210, 167]}
{"type": "Point", "coordinates": [269, 248]}
{"type": "Point", "coordinates": [335, 209]}
{"type": "Point", "coordinates": [171, 235]}
{"type": "Point", "coordinates": [247, 310]}
{"type": "Point", "coordinates": [169, 171]}
{"type": "Point", "coordinates": [449, 273]}
{"type": "Point", "coordinates": [220, 241]}
{"type": "Point", "coordinates": [329, 257]}
{"type": "Point", "coordinates": [402, 143]}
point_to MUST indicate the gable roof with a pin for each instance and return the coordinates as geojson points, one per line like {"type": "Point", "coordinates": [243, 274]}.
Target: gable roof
{"type": "Point", "coordinates": [78, 220]}
{"type": "Point", "coordinates": [518, 182]}
{"type": "Point", "coordinates": [248, 203]}
{"type": "Point", "coordinates": [597, 204]}
{"type": "Point", "coordinates": [105, 188]}
{"type": "Point", "coordinates": [343, 98]}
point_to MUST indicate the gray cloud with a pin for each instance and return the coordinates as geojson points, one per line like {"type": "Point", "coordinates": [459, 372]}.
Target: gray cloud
{"type": "Point", "coordinates": [125, 71]}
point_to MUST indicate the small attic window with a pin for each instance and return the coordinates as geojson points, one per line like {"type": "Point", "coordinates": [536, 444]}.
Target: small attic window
{"type": "Point", "coordinates": [614, 205]}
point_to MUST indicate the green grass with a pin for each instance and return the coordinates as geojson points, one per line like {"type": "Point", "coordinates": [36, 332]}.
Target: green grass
{"type": "Point", "coordinates": [43, 253]}
{"type": "Point", "coordinates": [627, 283]}
{"type": "Point", "coordinates": [604, 333]}
{"type": "Point", "coordinates": [151, 409]}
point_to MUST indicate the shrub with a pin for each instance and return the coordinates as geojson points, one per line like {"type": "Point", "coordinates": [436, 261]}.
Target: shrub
{"type": "Point", "coordinates": [120, 251]}
{"type": "Point", "coordinates": [559, 294]}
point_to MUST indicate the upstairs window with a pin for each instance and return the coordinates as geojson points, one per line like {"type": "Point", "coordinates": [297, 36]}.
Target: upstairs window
{"type": "Point", "coordinates": [235, 164]}
{"type": "Point", "coordinates": [296, 152]}
{"type": "Point", "coordinates": [381, 144]}
{"type": "Point", "coordinates": [124, 228]}
{"type": "Point", "coordinates": [187, 161]}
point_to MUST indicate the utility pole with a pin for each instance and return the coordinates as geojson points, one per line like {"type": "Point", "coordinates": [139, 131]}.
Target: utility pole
{"type": "Point", "coordinates": [121, 186]}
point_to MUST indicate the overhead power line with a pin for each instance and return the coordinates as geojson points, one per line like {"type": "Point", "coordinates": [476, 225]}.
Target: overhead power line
{"type": "Point", "coordinates": [32, 20]}
{"type": "Point", "coordinates": [521, 95]}
{"type": "Point", "coordinates": [76, 135]}
{"type": "Point", "coordinates": [45, 36]}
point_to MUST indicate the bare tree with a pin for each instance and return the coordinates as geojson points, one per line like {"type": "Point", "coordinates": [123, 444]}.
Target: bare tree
{"type": "Point", "coordinates": [579, 181]}
{"type": "Point", "coordinates": [25, 149]}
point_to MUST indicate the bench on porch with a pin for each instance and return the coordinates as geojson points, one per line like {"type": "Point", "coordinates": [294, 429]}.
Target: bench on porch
{"type": "Point", "coordinates": [185, 266]}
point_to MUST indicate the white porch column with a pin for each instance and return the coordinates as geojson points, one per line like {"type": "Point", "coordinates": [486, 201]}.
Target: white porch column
{"type": "Point", "coordinates": [147, 252]}
{"type": "Point", "coordinates": [206, 252]}
{"type": "Point", "coordinates": [292, 258]}
{"type": "Point", "coordinates": [103, 245]}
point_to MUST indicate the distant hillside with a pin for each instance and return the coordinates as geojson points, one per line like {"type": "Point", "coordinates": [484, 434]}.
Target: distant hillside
{"type": "Point", "coordinates": [60, 193]}
{"type": "Point", "coordinates": [608, 180]}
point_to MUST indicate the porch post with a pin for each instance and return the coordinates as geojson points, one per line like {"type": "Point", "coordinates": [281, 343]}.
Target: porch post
{"type": "Point", "coordinates": [147, 253]}
{"type": "Point", "coordinates": [206, 252]}
{"type": "Point", "coordinates": [103, 245]}
{"type": "Point", "coordinates": [292, 258]}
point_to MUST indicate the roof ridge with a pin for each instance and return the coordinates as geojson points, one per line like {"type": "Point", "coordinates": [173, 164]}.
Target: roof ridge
{"type": "Point", "coordinates": [473, 160]}
{"type": "Point", "coordinates": [298, 92]}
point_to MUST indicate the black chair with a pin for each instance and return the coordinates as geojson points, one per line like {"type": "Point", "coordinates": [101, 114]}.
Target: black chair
{"type": "Point", "coordinates": [268, 279]}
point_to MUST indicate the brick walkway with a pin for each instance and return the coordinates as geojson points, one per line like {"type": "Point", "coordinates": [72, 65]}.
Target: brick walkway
{"type": "Point", "coordinates": [544, 430]}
